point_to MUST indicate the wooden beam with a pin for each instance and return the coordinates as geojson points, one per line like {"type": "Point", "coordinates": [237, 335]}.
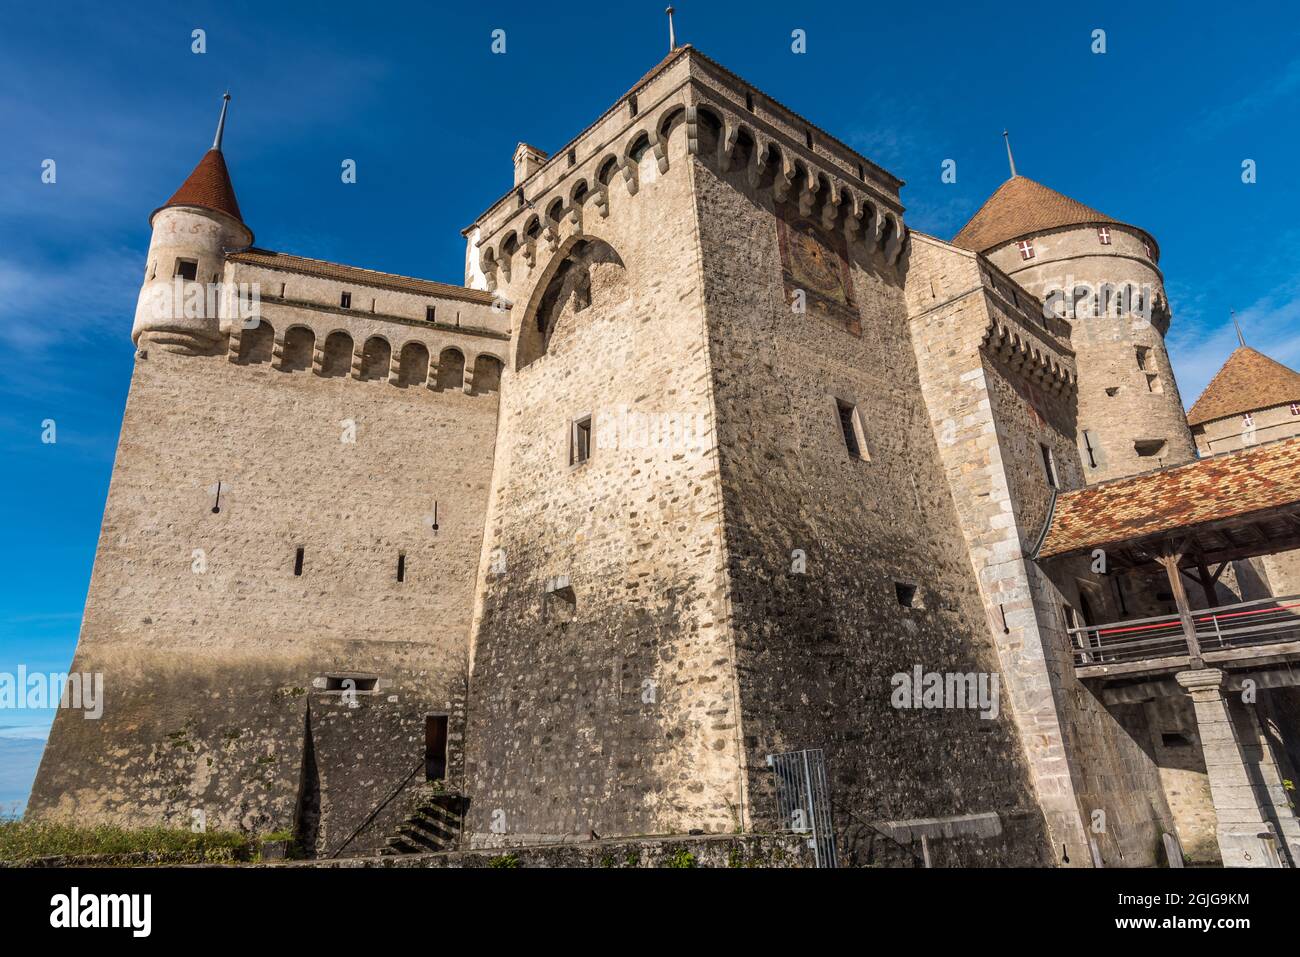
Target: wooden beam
{"type": "Point", "coordinates": [1170, 561]}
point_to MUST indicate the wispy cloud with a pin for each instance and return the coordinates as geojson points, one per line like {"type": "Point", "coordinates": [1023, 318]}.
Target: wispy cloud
{"type": "Point", "coordinates": [1282, 86]}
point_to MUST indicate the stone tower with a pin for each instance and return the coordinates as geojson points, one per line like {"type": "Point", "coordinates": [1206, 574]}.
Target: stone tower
{"type": "Point", "coordinates": [1102, 275]}
{"type": "Point", "coordinates": [282, 591]}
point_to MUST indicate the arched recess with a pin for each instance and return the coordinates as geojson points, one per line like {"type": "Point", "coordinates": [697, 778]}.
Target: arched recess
{"type": "Point", "coordinates": [299, 344]}
{"type": "Point", "coordinates": [376, 356]}
{"type": "Point", "coordinates": [487, 374]}
{"type": "Point", "coordinates": [336, 357]}
{"type": "Point", "coordinates": [256, 344]}
{"type": "Point", "coordinates": [590, 271]}
{"type": "Point", "coordinates": [709, 130]}
{"type": "Point", "coordinates": [451, 370]}
{"type": "Point", "coordinates": [413, 368]}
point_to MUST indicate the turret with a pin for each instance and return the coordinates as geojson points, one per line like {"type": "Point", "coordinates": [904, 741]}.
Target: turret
{"type": "Point", "coordinates": [1103, 276]}
{"type": "Point", "coordinates": [179, 305]}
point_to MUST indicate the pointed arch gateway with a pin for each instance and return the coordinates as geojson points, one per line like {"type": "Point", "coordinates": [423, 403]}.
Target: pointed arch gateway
{"type": "Point", "coordinates": [587, 269]}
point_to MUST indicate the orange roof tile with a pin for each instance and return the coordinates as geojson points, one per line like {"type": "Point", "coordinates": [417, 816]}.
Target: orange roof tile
{"type": "Point", "coordinates": [1021, 206]}
{"type": "Point", "coordinates": [208, 187]}
{"type": "Point", "coordinates": [1249, 381]}
{"type": "Point", "coordinates": [355, 274]}
{"type": "Point", "coordinates": [1224, 486]}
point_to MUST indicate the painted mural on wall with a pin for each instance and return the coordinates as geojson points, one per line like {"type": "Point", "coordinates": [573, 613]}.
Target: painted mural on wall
{"type": "Point", "coordinates": [816, 263]}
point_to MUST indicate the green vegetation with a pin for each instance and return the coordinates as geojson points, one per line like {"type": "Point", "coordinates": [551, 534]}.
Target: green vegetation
{"type": "Point", "coordinates": [682, 858]}
{"type": "Point", "coordinates": [22, 841]}
{"type": "Point", "coordinates": [505, 860]}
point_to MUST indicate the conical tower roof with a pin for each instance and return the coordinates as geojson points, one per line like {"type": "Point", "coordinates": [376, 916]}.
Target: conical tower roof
{"type": "Point", "coordinates": [1022, 206]}
{"type": "Point", "coordinates": [209, 186]}
{"type": "Point", "coordinates": [1249, 381]}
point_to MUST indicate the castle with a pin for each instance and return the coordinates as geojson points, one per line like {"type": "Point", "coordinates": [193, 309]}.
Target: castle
{"type": "Point", "coordinates": [708, 450]}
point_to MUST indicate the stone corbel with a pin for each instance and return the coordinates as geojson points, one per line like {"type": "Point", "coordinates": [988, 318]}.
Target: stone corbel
{"type": "Point", "coordinates": [784, 181]}
{"type": "Point", "coordinates": [468, 387]}
{"type": "Point", "coordinates": [661, 153]}
{"type": "Point", "coordinates": [601, 199]}
{"type": "Point", "coordinates": [631, 177]}
{"type": "Point", "coordinates": [232, 348]}
{"type": "Point", "coordinates": [358, 357]}
{"type": "Point", "coordinates": [831, 208]}
{"type": "Point", "coordinates": [693, 131]}
{"type": "Point", "coordinates": [552, 235]}
{"type": "Point", "coordinates": [807, 194]}
{"type": "Point", "coordinates": [853, 217]}
{"type": "Point", "coordinates": [896, 239]}
{"type": "Point", "coordinates": [877, 225]}
{"type": "Point", "coordinates": [277, 353]}
{"type": "Point", "coordinates": [757, 163]}
{"type": "Point", "coordinates": [727, 145]}
{"type": "Point", "coordinates": [317, 358]}
{"type": "Point", "coordinates": [431, 383]}
{"type": "Point", "coordinates": [530, 253]}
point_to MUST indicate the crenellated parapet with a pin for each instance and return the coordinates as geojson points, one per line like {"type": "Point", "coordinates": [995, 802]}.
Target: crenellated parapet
{"type": "Point", "coordinates": [1024, 335]}
{"type": "Point", "coordinates": [756, 142]}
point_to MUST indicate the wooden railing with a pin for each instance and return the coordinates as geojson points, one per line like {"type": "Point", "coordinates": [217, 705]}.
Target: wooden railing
{"type": "Point", "coordinates": [1267, 621]}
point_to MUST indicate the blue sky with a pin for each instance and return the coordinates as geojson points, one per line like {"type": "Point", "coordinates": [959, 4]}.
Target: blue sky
{"type": "Point", "coordinates": [1152, 132]}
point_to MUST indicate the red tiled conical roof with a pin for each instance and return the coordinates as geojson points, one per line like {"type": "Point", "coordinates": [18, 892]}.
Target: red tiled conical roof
{"type": "Point", "coordinates": [1248, 382]}
{"type": "Point", "coordinates": [208, 187]}
{"type": "Point", "coordinates": [1021, 206]}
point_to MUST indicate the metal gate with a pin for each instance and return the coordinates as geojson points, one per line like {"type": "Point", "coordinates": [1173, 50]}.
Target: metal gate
{"type": "Point", "coordinates": [803, 800]}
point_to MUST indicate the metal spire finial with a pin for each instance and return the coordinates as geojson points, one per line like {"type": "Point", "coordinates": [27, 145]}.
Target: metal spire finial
{"type": "Point", "coordinates": [1240, 338]}
{"type": "Point", "coordinates": [221, 123]}
{"type": "Point", "coordinates": [672, 32]}
{"type": "Point", "coordinates": [1010, 159]}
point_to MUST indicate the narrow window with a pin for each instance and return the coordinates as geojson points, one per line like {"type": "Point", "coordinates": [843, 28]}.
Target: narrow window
{"type": "Point", "coordinates": [283, 286]}
{"type": "Point", "coordinates": [573, 157]}
{"type": "Point", "coordinates": [905, 592]}
{"type": "Point", "coordinates": [862, 172]}
{"type": "Point", "coordinates": [1049, 465]}
{"type": "Point", "coordinates": [187, 269]}
{"type": "Point", "coordinates": [631, 104]}
{"type": "Point", "coordinates": [1175, 739]}
{"type": "Point", "coordinates": [1103, 235]}
{"type": "Point", "coordinates": [1026, 248]}
{"type": "Point", "coordinates": [519, 195]}
{"type": "Point", "coordinates": [851, 428]}
{"type": "Point", "coordinates": [807, 138]}
{"type": "Point", "coordinates": [749, 100]}
{"type": "Point", "coordinates": [435, 747]}
{"type": "Point", "coordinates": [1147, 247]}
{"type": "Point", "coordinates": [401, 567]}
{"type": "Point", "coordinates": [1087, 445]}
{"type": "Point", "coordinates": [1144, 358]}
{"type": "Point", "coordinates": [297, 563]}
{"type": "Point", "coordinates": [364, 685]}
{"type": "Point", "coordinates": [345, 300]}
{"type": "Point", "coordinates": [580, 440]}
{"type": "Point", "coordinates": [430, 313]}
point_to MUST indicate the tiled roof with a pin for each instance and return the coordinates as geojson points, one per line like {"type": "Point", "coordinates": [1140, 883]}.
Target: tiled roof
{"type": "Point", "coordinates": [355, 274]}
{"type": "Point", "coordinates": [208, 187]}
{"type": "Point", "coordinates": [1021, 206]}
{"type": "Point", "coordinates": [1225, 486]}
{"type": "Point", "coordinates": [1249, 381]}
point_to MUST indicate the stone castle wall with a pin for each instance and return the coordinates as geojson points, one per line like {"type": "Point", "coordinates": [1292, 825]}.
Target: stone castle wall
{"type": "Point", "coordinates": [216, 656]}
{"type": "Point", "coordinates": [819, 539]}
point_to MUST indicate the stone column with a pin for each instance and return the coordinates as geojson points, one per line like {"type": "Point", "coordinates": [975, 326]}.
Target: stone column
{"type": "Point", "coordinates": [1245, 839]}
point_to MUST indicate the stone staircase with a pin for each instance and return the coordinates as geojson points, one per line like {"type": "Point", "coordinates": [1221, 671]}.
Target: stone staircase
{"type": "Point", "coordinates": [435, 825]}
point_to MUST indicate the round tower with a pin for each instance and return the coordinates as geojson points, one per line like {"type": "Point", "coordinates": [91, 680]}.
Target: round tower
{"type": "Point", "coordinates": [1102, 275]}
{"type": "Point", "coordinates": [179, 305]}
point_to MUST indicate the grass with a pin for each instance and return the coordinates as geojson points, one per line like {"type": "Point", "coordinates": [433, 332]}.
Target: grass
{"type": "Point", "coordinates": [26, 841]}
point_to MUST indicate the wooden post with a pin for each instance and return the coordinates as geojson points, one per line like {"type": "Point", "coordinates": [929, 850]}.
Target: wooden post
{"type": "Point", "coordinates": [1207, 582]}
{"type": "Point", "coordinates": [1170, 562]}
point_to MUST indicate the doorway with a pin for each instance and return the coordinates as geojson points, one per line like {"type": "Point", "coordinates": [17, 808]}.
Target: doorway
{"type": "Point", "coordinates": [435, 747]}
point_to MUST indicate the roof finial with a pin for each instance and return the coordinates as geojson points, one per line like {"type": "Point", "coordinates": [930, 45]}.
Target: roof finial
{"type": "Point", "coordinates": [672, 32]}
{"type": "Point", "coordinates": [1010, 159]}
{"type": "Point", "coordinates": [1240, 338]}
{"type": "Point", "coordinates": [221, 123]}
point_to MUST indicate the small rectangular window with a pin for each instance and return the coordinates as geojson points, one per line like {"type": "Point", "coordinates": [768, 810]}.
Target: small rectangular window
{"type": "Point", "coordinates": [297, 563]}
{"type": "Point", "coordinates": [1149, 448]}
{"type": "Point", "coordinates": [808, 139]}
{"type": "Point", "coordinates": [1087, 445]}
{"type": "Point", "coordinates": [580, 440]}
{"type": "Point", "coordinates": [362, 684]}
{"type": "Point", "coordinates": [573, 157]}
{"type": "Point", "coordinates": [631, 104]}
{"type": "Point", "coordinates": [401, 568]}
{"type": "Point", "coordinates": [1049, 466]}
{"type": "Point", "coordinates": [905, 592]}
{"type": "Point", "coordinates": [851, 428]}
{"type": "Point", "coordinates": [430, 313]}
{"type": "Point", "coordinates": [187, 269]}
{"type": "Point", "coordinates": [749, 100]}
{"type": "Point", "coordinates": [345, 300]}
